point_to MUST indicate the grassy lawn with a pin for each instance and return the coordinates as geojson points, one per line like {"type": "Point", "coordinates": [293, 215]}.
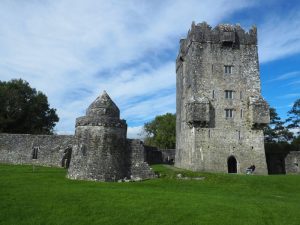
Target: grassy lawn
{"type": "Point", "coordinates": [45, 196]}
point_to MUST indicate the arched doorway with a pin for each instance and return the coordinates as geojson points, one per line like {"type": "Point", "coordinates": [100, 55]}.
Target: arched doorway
{"type": "Point", "coordinates": [232, 165]}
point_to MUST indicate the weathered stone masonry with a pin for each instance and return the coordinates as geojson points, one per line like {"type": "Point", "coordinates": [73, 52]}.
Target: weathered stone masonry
{"type": "Point", "coordinates": [102, 151]}
{"type": "Point", "coordinates": [220, 110]}
{"type": "Point", "coordinates": [19, 148]}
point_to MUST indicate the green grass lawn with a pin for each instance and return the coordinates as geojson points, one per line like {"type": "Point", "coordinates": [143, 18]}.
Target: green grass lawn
{"type": "Point", "coordinates": [45, 196]}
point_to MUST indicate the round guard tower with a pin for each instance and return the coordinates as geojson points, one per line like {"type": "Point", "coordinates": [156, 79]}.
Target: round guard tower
{"type": "Point", "coordinates": [219, 108]}
{"type": "Point", "coordinates": [100, 149]}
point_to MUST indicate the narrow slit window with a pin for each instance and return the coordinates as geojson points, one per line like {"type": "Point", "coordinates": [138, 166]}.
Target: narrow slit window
{"type": "Point", "coordinates": [208, 133]}
{"type": "Point", "coordinates": [213, 94]}
{"type": "Point", "coordinates": [239, 135]}
{"type": "Point", "coordinates": [241, 95]}
{"type": "Point", "coordinates": [35, 152]}
{"type": "Point", "coordinates": [242, 113]}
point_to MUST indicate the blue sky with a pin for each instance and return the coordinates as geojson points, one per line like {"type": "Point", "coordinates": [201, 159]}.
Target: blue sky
{"type": "Point", "coordinates": [73, 50]}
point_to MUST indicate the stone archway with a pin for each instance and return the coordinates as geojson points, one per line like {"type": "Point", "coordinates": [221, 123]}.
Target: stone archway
{"type": "Point", "coordinates": [232, 164]}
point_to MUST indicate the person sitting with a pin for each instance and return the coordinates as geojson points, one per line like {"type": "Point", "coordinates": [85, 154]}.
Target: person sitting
{"type": "Point", "coordinates": [250, 169]}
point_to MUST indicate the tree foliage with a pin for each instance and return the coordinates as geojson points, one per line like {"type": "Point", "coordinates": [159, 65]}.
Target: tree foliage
{"type": "Point", "coordinates": [25, 110]}
{"type": "Point", "coordinates": [294, 116]}
{"type": "Point", "coordinates": [276, 130]}
{"type": "Point", "coordinates": [161, 132]}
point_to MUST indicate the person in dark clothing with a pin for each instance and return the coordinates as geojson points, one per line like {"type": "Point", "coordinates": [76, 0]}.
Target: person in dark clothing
{"type": "Point", "coordinates": [250, 169]}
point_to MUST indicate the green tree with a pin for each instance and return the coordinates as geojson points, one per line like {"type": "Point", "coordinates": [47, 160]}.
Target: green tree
{"type": "Point", "coordinates": [25, 110]}
{"type": "Point", "coordinates": [161, 132]}
{"type": "Point", "coordinates": [276, 131]}
{"type": "Point", "coordinates": [294, 116]}
{"type": "Point", "coordinates": [296, 141]}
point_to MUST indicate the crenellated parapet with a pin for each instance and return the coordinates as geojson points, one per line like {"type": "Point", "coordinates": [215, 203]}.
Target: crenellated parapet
{"type": "Point", "coordinates": [226, 35]}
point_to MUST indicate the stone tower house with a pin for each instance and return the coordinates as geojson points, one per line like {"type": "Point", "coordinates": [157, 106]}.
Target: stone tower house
{"type": "Point", "coordinates": [101, 150]}
{"type": "Point", "coordinates": [219, 107]}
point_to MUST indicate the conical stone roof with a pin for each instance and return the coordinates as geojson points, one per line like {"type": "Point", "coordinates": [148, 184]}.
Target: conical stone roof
{"type": "Point", "coordinates": [103, 106]}
{"type": "Point", "coordinates": [102, 112]}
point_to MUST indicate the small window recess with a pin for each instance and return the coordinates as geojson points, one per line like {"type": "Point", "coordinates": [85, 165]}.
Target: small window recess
{"type": "Point", "coordinates": [229, 94]}
{"type": "Point", "coordinates": [239, 135]}
{"type": "Point", "coordinates": [35, 152]}
{"type": "Point", "coordinates": [228, 69]}
{"type": "Point", "coordinates": [241, 95]}
{"type": "Point", "coordinates": [209, 134]}
{"type": "Point", "coordinates": [213, 94]}
{"type": "Point", "coordinates": [242, 113]}
{"type": "Point", "coordinates": [229, 113]}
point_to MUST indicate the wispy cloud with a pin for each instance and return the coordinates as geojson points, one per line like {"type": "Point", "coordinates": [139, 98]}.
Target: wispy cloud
{"type": "Point", "coordinates": [279, 36]}
{"type": "Point", "coordinates": [295, 82]}
{"type": "Point", "coordinates": [291, 95]}
{"type": "Point", "coordinates": [286, 76]}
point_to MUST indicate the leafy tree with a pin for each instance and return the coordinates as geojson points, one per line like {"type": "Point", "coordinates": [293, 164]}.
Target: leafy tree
{"type": "Point", "coordinates": [296, 141]}
{"type": "Point", "coordinates": [25, 110]}
{"type": "Point", "coordinates": [161, 132]}
{"type": "Point", "coordinates": [294, 116]}
{"type": "Point", "coordinates": [276, 131]}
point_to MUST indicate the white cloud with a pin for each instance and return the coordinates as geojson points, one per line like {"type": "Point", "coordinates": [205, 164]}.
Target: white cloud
{"type": "Point", "coordinates": [135, 132]}
{"type": "Point", "coordinates": [72, 50]}
{"type": "Point", "coordinates": [279, 36]}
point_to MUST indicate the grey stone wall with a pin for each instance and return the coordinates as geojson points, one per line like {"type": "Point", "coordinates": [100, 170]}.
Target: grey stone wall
{"type": "Point", "coordinates": [18, 148]}
{"type": "Point", "coordinates": [205, 137]}
{"type": "Point", "coordinates": [292, 163]}
{"type": "Point", "coordinates": [138, 167]}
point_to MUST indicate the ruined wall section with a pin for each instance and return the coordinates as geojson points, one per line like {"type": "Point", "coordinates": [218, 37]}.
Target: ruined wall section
{"type": "Point", "coordinates": [292, 162]}
{"type": "Point", "coordinates": [138, 167]}
{"type": "Point", "coordinates": [19, 148]}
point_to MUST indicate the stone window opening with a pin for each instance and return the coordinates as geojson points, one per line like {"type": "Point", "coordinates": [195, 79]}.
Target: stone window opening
{"type": "Point", "coordinates": [229, 113]}
{"type": "Point", "coordinates": [35, 152]}
{"type": "Point", "coordinates": [242, 113]}
{"type": "Point", "coordinates": [209, 134]}
{"type": "Point", "coordinates": [228, 94]}
{"type": "Point", "coordinates": [228, 69]}
{"type": "Point", "coordinates": [241, 95]}
{"type": "Point", "coordinates": [213, 94]}
{"type": "Point", "coordinates": [239, 135]}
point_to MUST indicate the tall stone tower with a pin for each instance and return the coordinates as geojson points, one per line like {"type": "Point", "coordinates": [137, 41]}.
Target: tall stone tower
{"type": "Point", "coordinates": [219, 107]}
{"type": "Point", "coordinates": [100, 149]}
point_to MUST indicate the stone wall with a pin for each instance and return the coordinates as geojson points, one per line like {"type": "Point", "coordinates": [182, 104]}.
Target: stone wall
{"type": "Point", "coordinates": [157, 156]}
{"type": "Point", "coordinates": [292, 162]}
{"type": "Point", "coordinates": [153, 155]}
{"type": "Point", "coordinates": [19, 148]}
{"type": "Point", "coordinates": [138, 167]}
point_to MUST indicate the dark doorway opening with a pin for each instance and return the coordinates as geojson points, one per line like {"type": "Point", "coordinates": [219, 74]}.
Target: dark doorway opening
{"type": "Point", "coordinates": [232, 165]}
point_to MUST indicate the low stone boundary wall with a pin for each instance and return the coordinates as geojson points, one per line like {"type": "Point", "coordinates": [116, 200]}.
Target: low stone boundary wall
{"type": "Point", "coordinates": [46, 150]}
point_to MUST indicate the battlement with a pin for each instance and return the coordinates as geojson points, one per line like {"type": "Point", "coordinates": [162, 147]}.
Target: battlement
{"type": "Point", "coordinates": [226, 35]}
